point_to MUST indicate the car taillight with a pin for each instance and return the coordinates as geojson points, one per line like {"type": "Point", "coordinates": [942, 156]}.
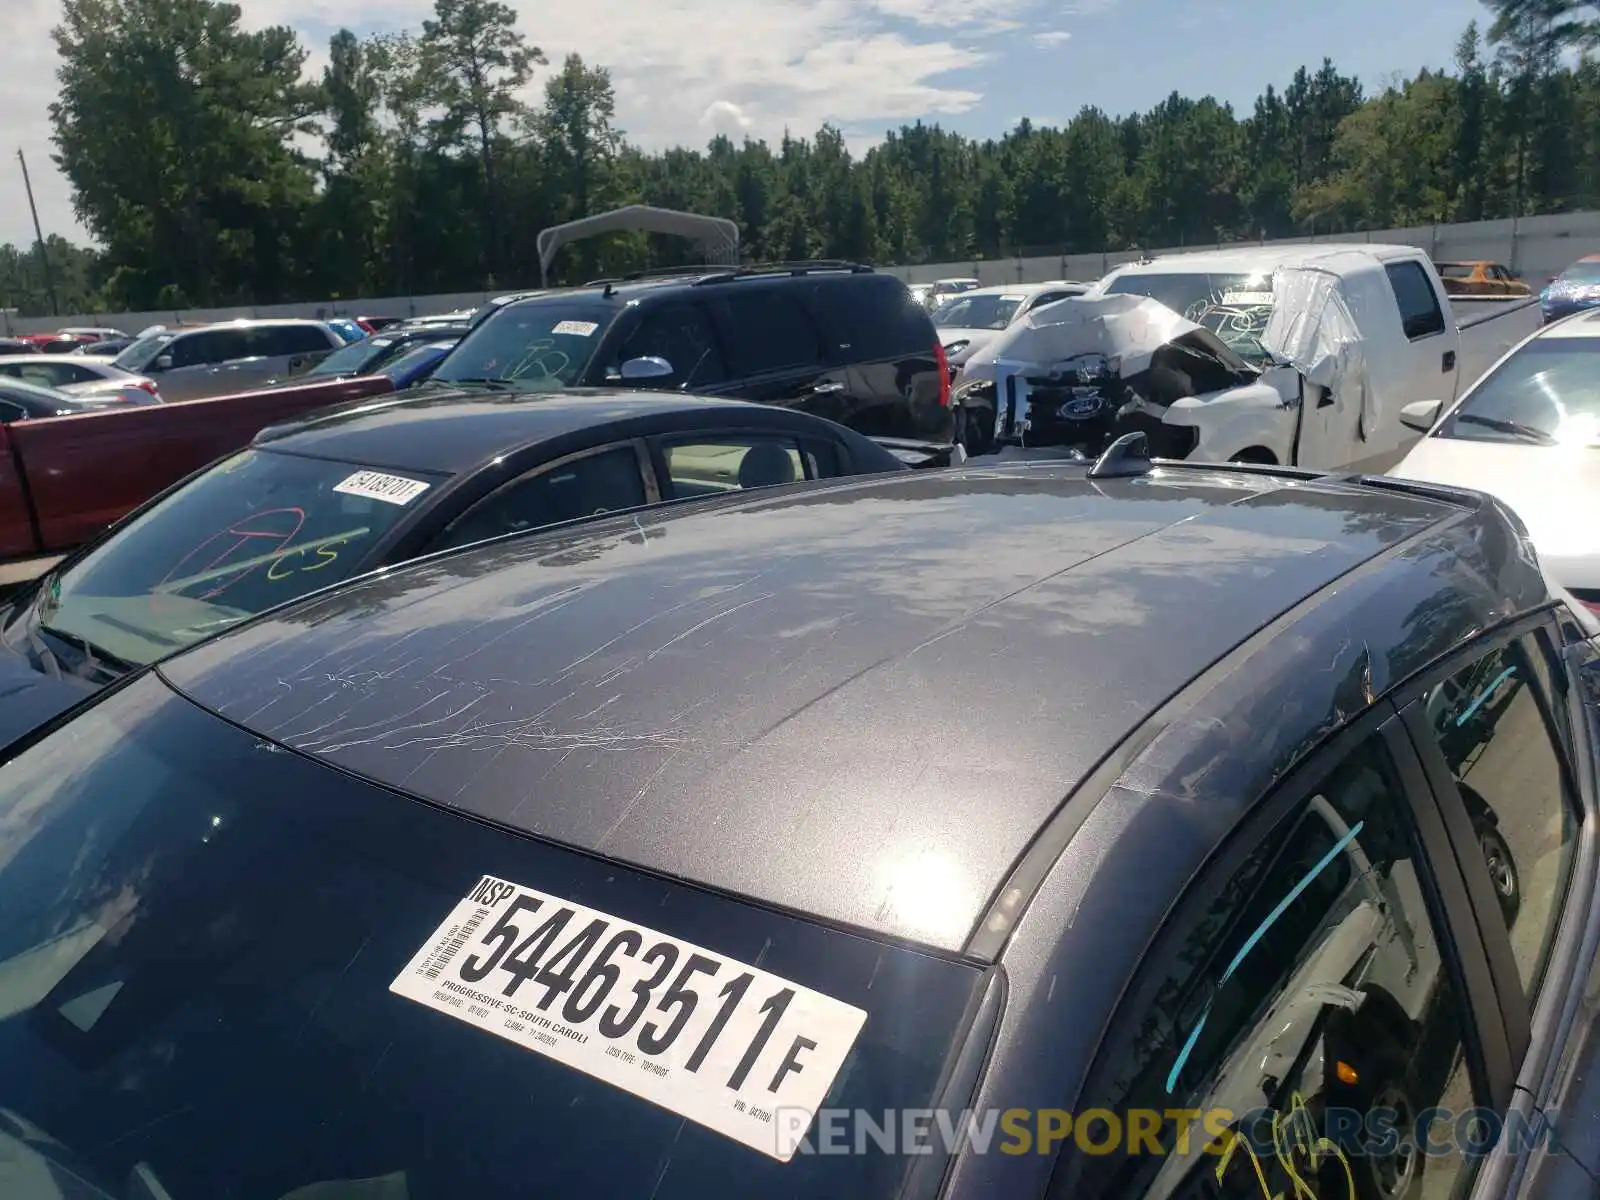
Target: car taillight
{"type": "Point", "coordinates": [943, 361]}
{"type": "Point", "coordinates": [148, 385]}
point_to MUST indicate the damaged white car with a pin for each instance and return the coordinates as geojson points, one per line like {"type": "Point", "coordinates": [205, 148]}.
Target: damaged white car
{"type": "Point", "coordinates": [1298, 355]}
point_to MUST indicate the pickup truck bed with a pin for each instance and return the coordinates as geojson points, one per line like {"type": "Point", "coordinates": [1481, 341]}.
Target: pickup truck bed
{"type": "Point", "coordinates": [64, 479]}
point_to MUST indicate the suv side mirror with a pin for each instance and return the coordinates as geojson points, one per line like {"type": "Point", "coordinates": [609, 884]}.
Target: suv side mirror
{"type": "Point", "coordinates": [162, 363]}
{"type": "Point", "coordinates": [1420, 415]}
{"type": "Point", "coordinates": [649, 367]}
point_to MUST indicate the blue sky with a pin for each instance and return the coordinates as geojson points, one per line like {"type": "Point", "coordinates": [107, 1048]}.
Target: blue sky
{"type": "Point", "coordinates": [685, 69]}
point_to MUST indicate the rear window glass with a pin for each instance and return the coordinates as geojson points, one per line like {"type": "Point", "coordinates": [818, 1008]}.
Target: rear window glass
{"type": "Point", "coordinates": [213, 954]}
{"type": "Point", "coordinates": [536, 345]}
{"type": "Point", "coordinates": [251, 533]}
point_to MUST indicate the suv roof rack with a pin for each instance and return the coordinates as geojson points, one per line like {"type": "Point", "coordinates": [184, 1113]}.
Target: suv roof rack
{"type": "Point", "coordinates": [655, 273]}
{"type": "Point", "coordinates": [797, 267]}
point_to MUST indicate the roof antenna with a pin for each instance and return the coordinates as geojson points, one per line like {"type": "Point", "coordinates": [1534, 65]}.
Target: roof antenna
{"type": "Point", "coordinates": [1127, 456]}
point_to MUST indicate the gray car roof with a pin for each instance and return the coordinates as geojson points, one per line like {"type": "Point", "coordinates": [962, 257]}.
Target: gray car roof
{"type": "Point", "coordinates": [859, 701]}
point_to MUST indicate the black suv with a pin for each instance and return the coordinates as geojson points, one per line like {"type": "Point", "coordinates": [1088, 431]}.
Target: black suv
{"type": "Point", "coordinates": [835, 339]}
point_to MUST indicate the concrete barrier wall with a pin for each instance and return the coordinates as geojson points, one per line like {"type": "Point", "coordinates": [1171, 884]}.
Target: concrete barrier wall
{"type": "Point", "coordinates": [1537, 248]}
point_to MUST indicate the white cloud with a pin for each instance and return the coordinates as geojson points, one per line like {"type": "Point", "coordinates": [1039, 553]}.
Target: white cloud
{"type": "Point", "coordinates": [1051, 37]}
{"type": "Point", "coordinates": [684, 69]}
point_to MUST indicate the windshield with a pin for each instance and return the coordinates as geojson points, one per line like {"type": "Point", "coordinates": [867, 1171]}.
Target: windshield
{"type": "Point", "coordinates": [1235, 307]}
{"type": "Point", "coordinates": [1547, 393]}
{"type": "Point", "coordinates": [535, 345]}
{"type": "Point", "coordinates": [254, 531]}
{"type": "Point", "coordinates": [1582, 272]}
{"type": "Point", "coordinates": [233, 971]}
{"type": "Point", "coordinates": [144, 351]}
{"type": "Point", "coordinates": [355, 358]}
{"type": "Point", "coordinates": [977, 312]}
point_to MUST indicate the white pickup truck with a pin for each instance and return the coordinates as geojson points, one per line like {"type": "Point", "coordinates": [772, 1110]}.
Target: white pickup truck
{"type": "Point", "coordinates": [1334, 340]}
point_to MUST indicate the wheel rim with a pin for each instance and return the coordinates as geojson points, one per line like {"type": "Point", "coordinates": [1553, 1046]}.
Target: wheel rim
{"type": "Point", "coordinates": [1501, 872]}
{"type": "Point", "coordinates": [1393, 1173]}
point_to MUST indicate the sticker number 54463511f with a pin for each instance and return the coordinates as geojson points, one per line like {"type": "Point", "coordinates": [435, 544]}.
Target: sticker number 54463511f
{"type": "Point", "coordinates": [720, 1042]}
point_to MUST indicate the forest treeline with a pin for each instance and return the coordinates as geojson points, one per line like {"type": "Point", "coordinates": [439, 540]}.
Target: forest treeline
{"type": "Point", "coordinates": [212, 169]}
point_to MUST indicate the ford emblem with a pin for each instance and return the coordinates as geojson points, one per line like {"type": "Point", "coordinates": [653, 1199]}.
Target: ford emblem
{"type": "Point", "coordinates": [1081, 407]}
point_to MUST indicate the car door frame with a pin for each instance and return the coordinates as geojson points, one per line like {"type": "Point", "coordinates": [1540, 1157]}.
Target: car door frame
{"type": "Point", "coordinates": [1539, 1035]}
{"type": "Point", "coordinates": [466, 494]}
{"type": "Point", "coordinates": [1451, 917]}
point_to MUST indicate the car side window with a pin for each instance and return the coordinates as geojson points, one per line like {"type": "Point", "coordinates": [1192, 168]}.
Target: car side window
{"type": "Point", "coordinates": [288, 340]}
{"type": "Point", "coordinates": [45, 374]}
{"type": "Point", "coordinates": [1490, 723]}
{"type": "Point", "coordinates": [769, 330]}
{"type": "Point", "coordinates": [1420, 314]}
{"type": "Point", "coordinates": [11, 411]}
{"type": "Point", "coordinates": [712, 465]}
{"type": "Point", "coordinates": [607, 481]}
{"type": "Point", "coordinates": [1294, 1020]}
{"type": "Point", "coordinates": [210, 348]}
{"type": "Point", "coordinates": [681, 334]}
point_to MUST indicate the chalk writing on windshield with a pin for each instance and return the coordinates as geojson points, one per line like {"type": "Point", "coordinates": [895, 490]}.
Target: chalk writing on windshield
{"type": "Point", "coordinates": [1295, 1141]}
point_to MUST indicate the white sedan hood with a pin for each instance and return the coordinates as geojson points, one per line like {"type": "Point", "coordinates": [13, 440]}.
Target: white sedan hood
{"type": "Point", "coordinates": [1555, 490]}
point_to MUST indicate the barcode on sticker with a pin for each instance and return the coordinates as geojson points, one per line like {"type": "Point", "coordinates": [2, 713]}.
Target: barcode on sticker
{"type": "Point", "coordinates": [452, 946]}
{"type": "Point", "coordinates": [375, 485]}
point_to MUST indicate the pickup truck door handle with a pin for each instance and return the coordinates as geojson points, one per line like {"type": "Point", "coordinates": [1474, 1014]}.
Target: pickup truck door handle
{"type": "Point", "coordinates": [1449, 361]}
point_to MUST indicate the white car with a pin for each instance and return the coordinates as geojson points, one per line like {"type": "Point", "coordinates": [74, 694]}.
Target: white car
{"type": "Point", "coordinates": [1528, 433]}
{"type": "Point", "coordinates": [968, 322]}
{"type": "Point", "coordinates": [87, 378]}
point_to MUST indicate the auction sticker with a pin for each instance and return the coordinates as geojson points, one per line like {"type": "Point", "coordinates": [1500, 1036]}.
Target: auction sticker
{"type": "Point", "coordinates": [719, 1042]}
{"type": "Point", "coordinates": [576, 328]}
{"type": "Point", "coordinates": [1247, 298]}
{"type": "Point", "coordinates": [375, 485]}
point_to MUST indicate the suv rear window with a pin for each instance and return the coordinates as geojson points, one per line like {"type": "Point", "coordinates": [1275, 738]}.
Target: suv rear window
{"type": "Point", "coordinates": [206, 943]}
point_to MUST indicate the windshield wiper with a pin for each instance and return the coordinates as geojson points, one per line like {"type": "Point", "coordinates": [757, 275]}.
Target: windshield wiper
{"type": "Point", "coordinates": [94, 657]}
{"type": "Point", "coordinates": [1515, 428]}
{"type": "Point", "coordinates": [494, 385]}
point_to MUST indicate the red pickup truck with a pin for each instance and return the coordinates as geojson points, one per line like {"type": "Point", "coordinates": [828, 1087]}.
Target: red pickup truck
{"type": "Point", "coordinates": [64, 479]}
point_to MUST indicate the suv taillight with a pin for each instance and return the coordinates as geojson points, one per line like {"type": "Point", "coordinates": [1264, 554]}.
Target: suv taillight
{"type": "Point", "coordinates": [943, 362]}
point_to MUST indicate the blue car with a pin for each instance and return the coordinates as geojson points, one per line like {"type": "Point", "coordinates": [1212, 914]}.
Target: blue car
{"type": "Point", "coordinates": [1575, 289]}
{"type": "Point", "coordinates": [417, 363]}
{"type": "Point", "coordinates": [346, 328]}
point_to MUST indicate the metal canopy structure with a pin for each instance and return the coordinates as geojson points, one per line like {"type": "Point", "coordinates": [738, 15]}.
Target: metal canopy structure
{"type": "Point", "coordinates": [718, 237]}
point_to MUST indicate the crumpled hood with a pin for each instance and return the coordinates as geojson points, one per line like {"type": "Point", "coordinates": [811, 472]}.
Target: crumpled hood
{"type": "Point", "coordinates": [1553, 489]}
{"type": "Point", "coordinates": [1124, 328]}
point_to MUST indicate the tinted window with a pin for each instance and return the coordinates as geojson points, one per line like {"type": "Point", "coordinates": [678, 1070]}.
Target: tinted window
{"type": "Point", "coordinates": [50, 374]}
{"type": "Point", "coordinates": [1420, 314]}
{"type": "Point", "coordinates": [254, 531]}
{"type": "Point", "coordinates": [1301, 977]}
{"type": "Point", "coordinates": [769, 330]}
{"type": "Point", "coordinates": [682, 335]}
{"type": "Point", "coordinates": [1051, 297]}
{"type": "Point", "coordinates": [282, 341]}
{"type": "Point", "coordinates": [199, 940]}
{"type": "Point", "coordinates": [211, 346]}
{"type": "Point", "coordinates": [417, 359]}
{"type": "Point", "coordinates": [873, 317]}
{"type": "Point", "coordinates": [532, 346]}
{"type": "Point", "coordinates": [1455, 270]}
{"type": "Point", "coordinates": [582, 487]}
{"type": "Point", "coordinates": [1546, 393]}
{"type": "Point", "coordinates": [1490, 723]}
{"type": "Point", "coordinates": [708, 466]}
{"type": "Point", "coordinates": [10, 410]}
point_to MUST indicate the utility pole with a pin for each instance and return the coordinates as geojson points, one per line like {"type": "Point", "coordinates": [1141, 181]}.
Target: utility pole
{"type": "Point", "coordinates": [38, 233]}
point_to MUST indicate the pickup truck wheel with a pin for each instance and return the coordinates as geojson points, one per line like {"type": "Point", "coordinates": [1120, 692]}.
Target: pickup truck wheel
{"type": "Point", "coordinates": [1502, 871]}
{"type": "Point", "coordinates": [1256, 454]}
